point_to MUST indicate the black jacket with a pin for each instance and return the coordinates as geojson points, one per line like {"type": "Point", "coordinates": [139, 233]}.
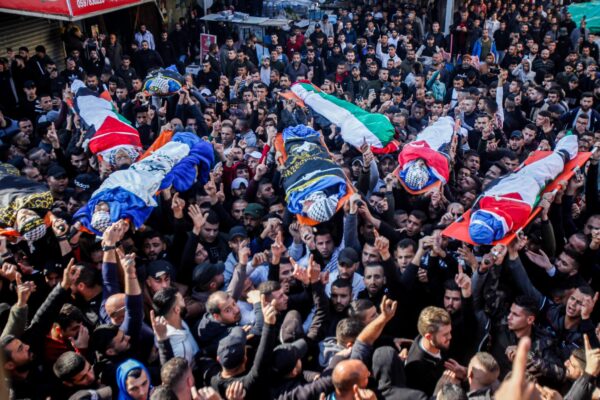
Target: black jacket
{"type": "Point", "coordinates": [422, 369]}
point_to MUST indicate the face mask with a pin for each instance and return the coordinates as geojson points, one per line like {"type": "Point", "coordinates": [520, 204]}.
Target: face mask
{"type": "Point", "coordinates": [101, 220]}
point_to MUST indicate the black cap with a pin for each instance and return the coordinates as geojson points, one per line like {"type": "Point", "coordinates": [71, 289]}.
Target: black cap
{"type": "Point", "coordinates": [348, 256]}
{"type": "Point", "coordinates": [237, 231]}
{"type": "Point", "coordinates": [516, 134]}
{"type": "Point", "coordinates": [205, 272]}
{"type": "Point", "coordinates": [57, 172]}
{"type": "Point", "coordinates": [51, 267]}
{"type": "Point", "coordinates": [158, 268]}
{"type": "Point", "coordinates": [232, 348]}
{"type": "Point", "coordinates": [394, 72]}
{"type": "Point", "coordinates": [555, 109]}
{"type": "Point", "coordinates": [29, 84]}
{"type": "Point", "coordinates": [392, 110]}
{"type": "Point", "coordinates": [286, 356]}
{"type": "Point", "coordinates": [386, 91]}
{"type": "Point", "coordinates": [87, 182]}
{"type": "Point", "coordinates": [317, 26]}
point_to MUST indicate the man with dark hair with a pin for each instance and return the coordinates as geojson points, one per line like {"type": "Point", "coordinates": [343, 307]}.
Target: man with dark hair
{"type": "Point", "coordinates": [169, 304]}
{"type": "Point", "coordinates": [75, 373]}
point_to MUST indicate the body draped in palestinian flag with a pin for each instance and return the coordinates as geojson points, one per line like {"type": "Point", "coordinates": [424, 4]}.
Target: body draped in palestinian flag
{"type": "Point", "coordinates": [425, 162]}
{"type": "Point", "coordinates": [129, 193]}
{"type": "Point", "coordinates": [109, 135]}
{"type": "Point", "coordinates": [508, 202]}
{"type": "Point", "coordinates": [315, 186]}
{"type": "Point", "coordinates": [357, 126]}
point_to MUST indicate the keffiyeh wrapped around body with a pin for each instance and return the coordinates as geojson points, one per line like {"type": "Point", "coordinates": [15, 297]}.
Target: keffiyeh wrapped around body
{"type": "Point", "coordinates": [18, 192]}
{"type": "Point", "coordinates": [313, 183]}
{"type": "Point", "coordinates": [424, 163]}
{"type": "Point", "coordinates": [163, 82]}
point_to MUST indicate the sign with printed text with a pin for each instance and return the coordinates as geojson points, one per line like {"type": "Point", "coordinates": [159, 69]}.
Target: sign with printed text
{"type": "Point", "coordinates": [205, 41]}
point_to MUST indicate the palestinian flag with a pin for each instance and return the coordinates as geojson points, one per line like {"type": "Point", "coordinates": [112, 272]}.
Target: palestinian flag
{"type": "Point", "coordinates": [106, 129]}
{"type": "Point", "coordinates": [357, 125]}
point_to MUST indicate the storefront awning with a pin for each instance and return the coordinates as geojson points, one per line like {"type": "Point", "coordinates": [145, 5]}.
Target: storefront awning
{"type": "Point", "coordinates": [66, 10]}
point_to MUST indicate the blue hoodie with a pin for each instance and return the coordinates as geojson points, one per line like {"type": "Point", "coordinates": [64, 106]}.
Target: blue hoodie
{"type": "Point", "coordinates": [125, 368]}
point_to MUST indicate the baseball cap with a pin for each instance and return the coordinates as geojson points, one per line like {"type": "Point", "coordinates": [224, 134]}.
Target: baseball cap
{"type": "Point", "coordinates": [254, 154]}
{"type": "Point", "coordinates": [238, 182]}
{"type": "Point", "coordinates": [357, 159]}
{"type": "Point", "coordinates": [386, 91]}
{"type": "Point", "coordinates": [29, 84]}
{"type": "Point", "coordinates": [317, 26]}
{"type": "Point", "coordinates": [52, 266]}
{"type": "Point", "coordinates": [57, 172]}
{"type": "Point", "coordinates": [87, 182]}
{"type": "Point", "coordinates": [232, 348]}
{"type": "Point", "coordinates": [348, 256]}
{"type": "Point", "coordinates": [205, 272]}
{"type": "Point", "coordinates": [158, 268]}
{"type": "Point", "coordinates": [285, 356]}
{"type": "Point", "coordinates": [255, 210]}
{"type": "Point", "coordinates": [398, 90]}
{"type": "Point", "coordinates": [555, 109]}
{"type": "Point", "coordinates": [237, 231]}
{"type": "Point", "coordinates": [104, 393]}
{"type": "Point", "coordinates": [516, 134]}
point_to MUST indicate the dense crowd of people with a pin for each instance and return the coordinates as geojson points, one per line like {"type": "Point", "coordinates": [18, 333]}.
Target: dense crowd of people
{"type": "Point", "coordinates": [223, 293]}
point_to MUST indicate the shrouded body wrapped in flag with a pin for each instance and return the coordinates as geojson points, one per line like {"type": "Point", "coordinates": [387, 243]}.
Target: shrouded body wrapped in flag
{"type": "Point", "coordinates": [129, 193]}
{"type": "Point", "coordinates": [109, 134]}
{"type": "Point", "coordinates": [508, 203]}
{"type": "Point", "coordinates": [357, 126]}
{"type": "Point", "coordinates": [425, 163]}
{"type": "Point", "coordinates": [314, 184]}
{"type": "Point", "coordinates": [163, 82]}
{"type": "Point", "coordinates": [23, 205]}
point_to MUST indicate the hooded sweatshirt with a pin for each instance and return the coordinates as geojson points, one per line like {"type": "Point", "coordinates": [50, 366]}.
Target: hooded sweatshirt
{"type": "Point", "coordinates": [122, 372]}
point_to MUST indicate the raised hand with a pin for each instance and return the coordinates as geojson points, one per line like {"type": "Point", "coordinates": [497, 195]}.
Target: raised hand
{"type": "Point", "coordinates": [592, 358]}
{"type": "Point", "coordinates": [300, 273]}
{"type": "Point", "coordinates": [24, 290]}
{"type": "Point", "coordinates": [388, 308]}
{"type": "Point", "coordinates": [244, 252]}
{"type": "Point", "coordinates": [587, 306]}
{"type": "Point", "coordinates": [464, 282]}
{"type": "Point", "coordinates": [177, 205]}
{"type": "Point", "coordinates": [128, 264]}
{"type": "Point", "coordinates": [70, 275]}
{"type": "Point", "coordinates": [540, 259]}
{"type": "Point", "coordinates": [277, 248]}
{"type": "Point", "coordinates": [197, 217]}
{"type": "Point", "coordinates": [159, 326]}
{"type": "Point", "coordinates": [269, 311]}
{"type": "Point", "coordinates": [60, 227]}
{"type": "Point", "coordinates": [382, 245]}
{"type": "Point", "coordinates": [9, 272]}
{"type": "Point", "coordinates": [114, 233]}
